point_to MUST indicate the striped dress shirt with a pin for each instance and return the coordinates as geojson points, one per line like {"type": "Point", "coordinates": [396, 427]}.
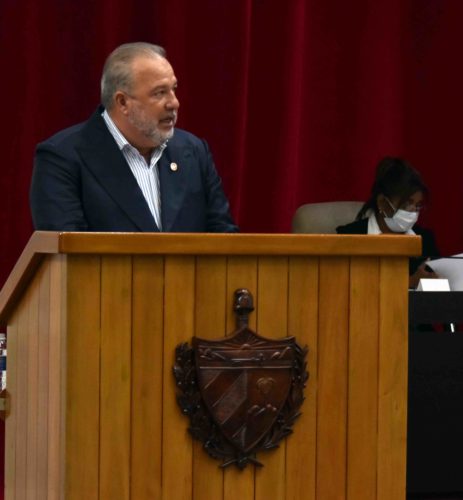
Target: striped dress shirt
{"type": "Point", "coordinates": [147, 175]}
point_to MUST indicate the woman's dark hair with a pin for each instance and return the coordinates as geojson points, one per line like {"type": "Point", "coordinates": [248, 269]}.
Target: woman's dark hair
{"type": "Point", "coordinates": [395, 178]}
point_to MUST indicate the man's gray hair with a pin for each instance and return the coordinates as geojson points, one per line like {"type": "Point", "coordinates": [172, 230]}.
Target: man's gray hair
{"type": "Point", "coordinates": [117, 71]}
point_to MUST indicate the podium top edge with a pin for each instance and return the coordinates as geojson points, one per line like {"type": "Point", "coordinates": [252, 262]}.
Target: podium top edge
{"type": "Point", "coordinates": [42, 243]}
{"type": "Point", "coordinates": [225, 244]}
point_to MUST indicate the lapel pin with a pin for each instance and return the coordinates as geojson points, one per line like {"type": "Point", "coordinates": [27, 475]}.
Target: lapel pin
{"type": "Point", "coordinates": [173, 167]}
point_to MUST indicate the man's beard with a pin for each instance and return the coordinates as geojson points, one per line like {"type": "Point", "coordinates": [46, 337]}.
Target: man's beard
{"type": "Point", "coordinates": [149, 128]}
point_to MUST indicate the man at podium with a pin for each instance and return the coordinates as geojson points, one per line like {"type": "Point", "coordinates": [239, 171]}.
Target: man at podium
{"type": "Point", "coordinates": [127, 168]}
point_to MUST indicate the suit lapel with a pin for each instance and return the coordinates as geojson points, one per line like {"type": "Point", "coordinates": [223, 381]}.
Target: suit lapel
{"type": "Point", "coordinates": [173, 182]}
{"type": "Point", "coordinates": [103, 158]}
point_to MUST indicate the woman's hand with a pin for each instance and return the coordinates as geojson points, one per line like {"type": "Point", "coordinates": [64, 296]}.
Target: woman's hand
{"type": "Point", "coordinates": [424, 271]}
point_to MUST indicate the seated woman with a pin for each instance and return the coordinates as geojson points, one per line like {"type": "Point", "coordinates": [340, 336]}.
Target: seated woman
{"type": "Point", "coordinates": [397, 196]}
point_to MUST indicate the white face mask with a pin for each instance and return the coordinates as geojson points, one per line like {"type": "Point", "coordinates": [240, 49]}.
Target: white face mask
{"type": "Point", "coordinates": [402, 220]}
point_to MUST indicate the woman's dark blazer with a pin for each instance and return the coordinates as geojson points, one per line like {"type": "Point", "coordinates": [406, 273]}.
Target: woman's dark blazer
{"type": "Point", "coordinates": [429, 247]}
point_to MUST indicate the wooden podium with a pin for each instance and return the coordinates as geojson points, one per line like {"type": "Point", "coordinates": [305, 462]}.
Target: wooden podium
{"type": "Point", "coordinates": [93, 321]}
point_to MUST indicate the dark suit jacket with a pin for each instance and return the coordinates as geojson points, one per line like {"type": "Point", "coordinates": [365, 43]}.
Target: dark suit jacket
{"type": "Point", "coordinates": [429, 247]}
{"type": "Point", "coordinates": [81, 182]}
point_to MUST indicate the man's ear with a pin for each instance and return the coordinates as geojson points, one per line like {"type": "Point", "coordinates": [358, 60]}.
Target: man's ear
{"type": "Point", "coordinates": [120, 101]}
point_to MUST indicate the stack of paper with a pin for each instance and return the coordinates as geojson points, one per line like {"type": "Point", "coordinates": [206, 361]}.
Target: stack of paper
{"type": "Point", "coordinates": [450, 268]}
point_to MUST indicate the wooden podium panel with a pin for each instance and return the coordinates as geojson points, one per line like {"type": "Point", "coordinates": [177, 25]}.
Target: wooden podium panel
{"type": "Point", "coordinates": [93, 322]}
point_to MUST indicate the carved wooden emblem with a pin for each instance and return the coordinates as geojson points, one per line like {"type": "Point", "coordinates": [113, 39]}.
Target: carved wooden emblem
{"type": "Point", "coordinates": [242, 393]}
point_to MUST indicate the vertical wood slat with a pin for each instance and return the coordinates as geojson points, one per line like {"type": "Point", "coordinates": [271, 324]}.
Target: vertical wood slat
{"type": "Point", "coordinates": [83, 377]}
{"type": "Point", "coordinates": [241, 273]}
{"type": "Point", "coordinates": [43, 381]}
{"type": "Point", "coordinates": [210, 317]}
{"type": "Point", "coordinates": [272, 307]}
{"type": "Point", "coordinates": [177, 450]}
{"type": "Point", "coordinates": [116, 288]}
{"type": "Point", "coordinates": [363, 379]}
{"type": "Point", "coordinates": [21, 400]}
{"type": "Point", "coordinates": [56, 377]}
{"type": "Point", "coordinates": [32, 373]}
{"type": "Point", "coordinates": [393, 367]}
{"type": "Point", "coordinates": [147, 377]}
{"type": "Point", "coordinates": [332, 377]}
{"type": "Point", "coordinates": [301, 448]}
{"type": "Point", "coordinates": [210, 297]}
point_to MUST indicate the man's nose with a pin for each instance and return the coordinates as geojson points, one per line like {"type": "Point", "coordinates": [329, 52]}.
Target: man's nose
{"type": "Point", "coordinates": [172, 102]}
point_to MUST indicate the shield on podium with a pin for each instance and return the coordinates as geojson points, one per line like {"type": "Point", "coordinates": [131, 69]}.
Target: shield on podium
{"type": "Point", "coordinates": [244, 382]}
{"type": "Point", "coordinates": [242, 392]}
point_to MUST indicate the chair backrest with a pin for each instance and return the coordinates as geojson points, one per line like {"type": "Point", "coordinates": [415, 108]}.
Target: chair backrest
{"type": "Point", "coordinates": [324, 218]}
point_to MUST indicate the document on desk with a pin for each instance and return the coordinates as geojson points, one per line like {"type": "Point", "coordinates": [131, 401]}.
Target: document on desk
{"type": "Point", "coordinates": [450, 268]}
